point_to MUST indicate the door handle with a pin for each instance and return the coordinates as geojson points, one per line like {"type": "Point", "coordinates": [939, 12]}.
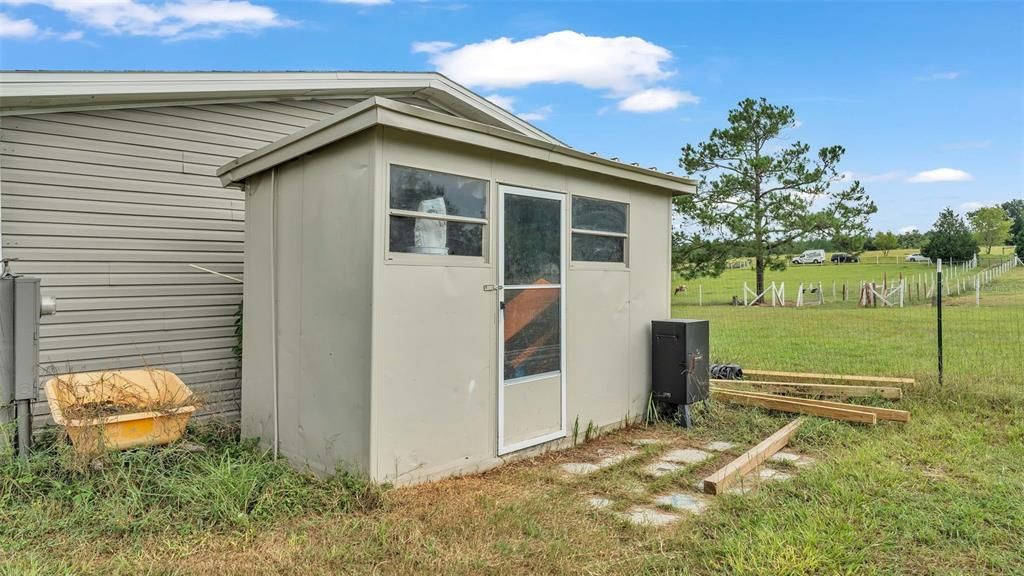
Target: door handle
{"type": "Point", "coordinates": [493, 287]}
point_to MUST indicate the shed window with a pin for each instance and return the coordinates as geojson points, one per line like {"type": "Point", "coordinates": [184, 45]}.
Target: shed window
{"type": "Point", "coordinates": [436, 213]}
{"type": "Point", "coordinates": [600, 230]}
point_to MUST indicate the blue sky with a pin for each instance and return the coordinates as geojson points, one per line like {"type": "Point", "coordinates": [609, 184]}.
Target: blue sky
{"type": "Point", "coordinates": [927, 97]}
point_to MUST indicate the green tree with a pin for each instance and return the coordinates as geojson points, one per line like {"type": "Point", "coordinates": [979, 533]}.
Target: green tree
{"type": "Point", "coordinates": [758, 195]}
{"type": "Point", "coordinates": [991, 226]}
{"type": "Point", "coordinates": [886, 241]}
{"type": "Point", "coordinates": [950, 239]}
{"type": "Point", "coordinates": [910, 239]}
{"type": "Point", "coordinates": [1015, 210]}
{"type": "Point", "coordinates": [849, 243]}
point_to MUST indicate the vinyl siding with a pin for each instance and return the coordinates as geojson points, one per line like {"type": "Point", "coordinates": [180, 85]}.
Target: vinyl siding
{"type": "Point", "coordinates": [109, 207]}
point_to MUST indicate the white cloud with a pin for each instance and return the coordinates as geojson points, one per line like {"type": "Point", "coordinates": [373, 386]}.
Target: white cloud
{"type": "Point", "coordinates": [940, 175]}
{"type": "Point", "coordinates": [11, 28]}
{"type": "Point", "coordinates": [879, 177]}
{"type": "Point", "coordinates": [621, 64]}
{"type": "Point", "coordinates": [506, 102]}
{"type": "Point", "coordinates": [938, 76]}
{"type": "Point", "coordinates": [972, 206]}
{"type": "Point", "coordinates": [907, 229]}
{"type": "Point", "coordinates": [657, 100]}
{"type": "Point", "coordinates": [72, 35]}
{"type": "Point", "coordinates": [541, 113]}
{"type": "Point", "coordinates": [177, 19]}
{"type": "Point", "coordinates": [431, 47]}
{"type": "Point", "coordinates": [362, 2]}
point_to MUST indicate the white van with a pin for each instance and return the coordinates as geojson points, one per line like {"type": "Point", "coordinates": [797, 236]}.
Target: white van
{"type": "Point", "coordinates": [810, 257]}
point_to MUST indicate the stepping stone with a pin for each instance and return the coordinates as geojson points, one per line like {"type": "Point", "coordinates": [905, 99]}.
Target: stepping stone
{"type": "Point", "coordinates": [598, 503]}
{"type": "Point", "coordinates": [663, 468]}
{"type": "Point", "coordinates": [773, 475]}
{"type": "Point", "coordinates": [687, 456]}
{"type": "Point", "coordinates": [579, 468]}
{"type": "Point", "coordinates": [718, 446]}
{"type": "Point", "coordinates": [798, 460]}
{"type": "Point", "coordinates": [740, 489]}
{"type": "Point", "coordinates": [645, 441]}
{"type": "Point", "coordinates": [643, 516]}
{"type": "Point", "coordinates": [616, 459]}
{"type": "Point", "coordinates": [683, 502]}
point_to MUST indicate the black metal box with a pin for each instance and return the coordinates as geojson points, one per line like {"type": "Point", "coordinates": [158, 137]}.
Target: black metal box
{"type": "Point", "coordinates": [679, 360]}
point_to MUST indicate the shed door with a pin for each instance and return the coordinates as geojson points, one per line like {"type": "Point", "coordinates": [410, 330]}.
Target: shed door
{"type": "Point", "coordinates": [531, 320]}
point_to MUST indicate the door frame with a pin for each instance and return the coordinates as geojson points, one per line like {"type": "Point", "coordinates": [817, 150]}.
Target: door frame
{"type": "Point", "coordinates": [500, 244]}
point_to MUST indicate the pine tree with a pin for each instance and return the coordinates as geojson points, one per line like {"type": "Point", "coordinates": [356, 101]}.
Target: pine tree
{"type": "Point", "coordinates": [950, 239]}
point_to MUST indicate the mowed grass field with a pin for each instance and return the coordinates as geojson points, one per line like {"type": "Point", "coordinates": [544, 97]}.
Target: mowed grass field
{"type": "Point", "coordinates": [873, 267]}
{"type": "Point", "coordinates": [943, 494]}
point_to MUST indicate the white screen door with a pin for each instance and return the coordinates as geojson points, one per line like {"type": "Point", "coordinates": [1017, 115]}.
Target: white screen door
{"type": "Point", "coordinates": [531, 319]}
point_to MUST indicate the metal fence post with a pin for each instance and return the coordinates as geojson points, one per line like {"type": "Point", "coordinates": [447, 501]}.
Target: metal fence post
{"type": "Point", "coordinates": [938, 308]}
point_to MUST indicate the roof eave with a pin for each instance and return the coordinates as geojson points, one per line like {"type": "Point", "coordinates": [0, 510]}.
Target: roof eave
{"type": "Point", "coordinates": [381, 111]}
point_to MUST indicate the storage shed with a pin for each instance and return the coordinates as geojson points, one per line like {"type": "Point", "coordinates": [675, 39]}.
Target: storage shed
{"type": "Point", "coordinates": [427, 294]}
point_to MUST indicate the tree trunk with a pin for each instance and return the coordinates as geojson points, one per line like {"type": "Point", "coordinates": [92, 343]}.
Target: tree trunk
{"type": "Point", "coordinates": [759, 265]}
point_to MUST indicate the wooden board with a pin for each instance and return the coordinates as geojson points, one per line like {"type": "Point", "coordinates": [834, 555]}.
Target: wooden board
{"type": "Point", "coordinates": [811, 377]}
{"type": "Point", "coordinates": [728, 474]}
{"type": "Point", "coordinates": [796, 406]}
{"type": "Point", "coordinates": [829, 390]}
{"type": "Point", "coordinates": [882, 413]}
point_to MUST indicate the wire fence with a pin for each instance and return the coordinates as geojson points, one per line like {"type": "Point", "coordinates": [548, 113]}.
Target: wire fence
{"type": "Point", "coordinates": [893, 333]}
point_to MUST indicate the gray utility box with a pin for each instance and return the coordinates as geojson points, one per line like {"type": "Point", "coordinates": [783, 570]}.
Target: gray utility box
{"type": "Point", "coordinates": [21, 305]}
{"type": "Point", "coordinates": [679, 361]}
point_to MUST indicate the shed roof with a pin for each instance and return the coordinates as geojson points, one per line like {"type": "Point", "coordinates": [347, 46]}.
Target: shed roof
{"type": "Point", "coordinates": [34, 92]}
{"type": "Point", "coordinates": [381, 111]}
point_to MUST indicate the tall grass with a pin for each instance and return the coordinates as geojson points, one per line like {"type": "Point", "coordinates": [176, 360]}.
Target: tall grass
{"type": "Point", "coordinates": [212, 481]}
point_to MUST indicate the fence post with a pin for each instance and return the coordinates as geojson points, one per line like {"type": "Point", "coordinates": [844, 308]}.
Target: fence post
{"type": "Point", "coordinates": [938, 312]}
{"type": "Point", "coordinates": [700, 294]}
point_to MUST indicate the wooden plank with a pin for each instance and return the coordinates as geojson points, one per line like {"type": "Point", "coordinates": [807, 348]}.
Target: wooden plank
{"type": "Point", "coordinates": [783, 404]}
{"type": "Point", "coordinates": [728, 474]}
{"type": "Point", "coordinates": [814, 389]}
{"type": "Point", "coordinates": [882, 413]}
{"type": "Point", "coordinates": [812, 377]}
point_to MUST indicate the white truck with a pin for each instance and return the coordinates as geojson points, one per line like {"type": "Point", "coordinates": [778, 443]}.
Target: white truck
{"type": "Point", "coordinates": [810, 257]}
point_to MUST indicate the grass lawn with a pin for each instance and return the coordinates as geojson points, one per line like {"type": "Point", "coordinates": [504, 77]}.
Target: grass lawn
{"type": "Point", "coordinates": [873, 267]}
{"type": "Point", "coordinates": [943, 494]}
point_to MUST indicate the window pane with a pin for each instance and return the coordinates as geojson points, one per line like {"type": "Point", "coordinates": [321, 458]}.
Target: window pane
{"type": "Point", "coordinates": [533, 240]}
{"type": "Point", "coordinates": [532, 332]}
{"type": "Point", "coordinates": [590, 248]}
{"type": "Point", "coordinates": [428, 236]}
{"type": "Point", "coordinates": [437, 193]}
{"type": "Point", "coordinates": [600, 215]}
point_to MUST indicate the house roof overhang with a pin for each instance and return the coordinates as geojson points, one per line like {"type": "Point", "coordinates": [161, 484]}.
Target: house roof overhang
{"type": "Point", "coordinates": [40, 92]}
{"type": "Point", "coordinates": [379, 111]}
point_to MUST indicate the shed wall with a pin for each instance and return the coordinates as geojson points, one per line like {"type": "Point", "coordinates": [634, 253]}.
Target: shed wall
{"type": "Point", "coordinates": [435, 328]}
{"type": "Point", "coordinates": [323, 223]}
{"type": "Point", "coordinates": [109, 207]}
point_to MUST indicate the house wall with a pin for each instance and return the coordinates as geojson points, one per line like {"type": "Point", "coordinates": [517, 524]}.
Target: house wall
{"type": "Point", "coordinates": [435, 328]}
{"type": "Point", "coordinates": [322, 227]}
{"type": "Point", "coordinates": [109, 207]}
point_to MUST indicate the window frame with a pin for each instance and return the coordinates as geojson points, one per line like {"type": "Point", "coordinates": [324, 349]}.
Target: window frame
{"type": "Point", "coordinates": [450, 260]}
{"type": "Point", "coordinates": [573, 231]}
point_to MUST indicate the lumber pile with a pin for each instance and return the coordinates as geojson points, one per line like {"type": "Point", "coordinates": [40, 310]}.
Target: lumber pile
{"type": "Point", "coordinates": [778, 395]}
{"type": "Point", "coordinates": [829, 378]}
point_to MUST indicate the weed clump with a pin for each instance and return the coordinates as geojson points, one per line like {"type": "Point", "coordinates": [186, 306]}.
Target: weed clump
{"type": "Point", "coordinates": [211, 480]}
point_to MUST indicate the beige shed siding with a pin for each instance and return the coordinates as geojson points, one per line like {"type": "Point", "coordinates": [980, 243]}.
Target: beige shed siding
{"type": "Point", "coordinates": [109, 207]}
{"type": "Point", "coordinates": [435, 328]}
{"type": "Point", "coordinates": [323, 290]}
